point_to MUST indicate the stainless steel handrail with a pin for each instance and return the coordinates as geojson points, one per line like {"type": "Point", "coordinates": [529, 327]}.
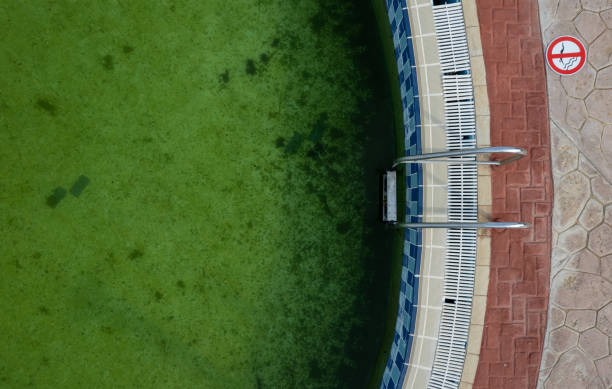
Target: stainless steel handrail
{"type": "Point", "coordinates": [429, 157]}
{"type": "Point", "coordinates": [464, 225]}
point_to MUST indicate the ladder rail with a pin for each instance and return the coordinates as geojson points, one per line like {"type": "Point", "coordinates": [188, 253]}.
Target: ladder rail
{"type": "Point", "coordinates": [511, 225]}
{"type": "Point", "coordinates": [517, 152]}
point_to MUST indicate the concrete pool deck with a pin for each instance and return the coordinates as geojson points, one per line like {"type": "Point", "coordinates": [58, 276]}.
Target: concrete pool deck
{"type": "Point", "coordinates": [433, 133]}
{"type": "Point", "coordinates": [579, 331]}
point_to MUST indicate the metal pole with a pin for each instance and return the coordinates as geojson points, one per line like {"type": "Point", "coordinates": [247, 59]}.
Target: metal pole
{"type": "Point", "coordinates": [464, 225]}
{"type": "Point", "coordinates": [429, 157]}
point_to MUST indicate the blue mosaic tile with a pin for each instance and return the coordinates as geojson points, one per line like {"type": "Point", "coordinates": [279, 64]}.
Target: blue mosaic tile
{"type": "Point", "coordinates": [402, 348]}
{"type": "Point", "coordinates": [395, 374]}
{"type": "Point", "coordinates": [411, 261]}
{"type": "Point", "coordinates": [409, 293]}
{"type": "Point", "coordinates": [411, 265]}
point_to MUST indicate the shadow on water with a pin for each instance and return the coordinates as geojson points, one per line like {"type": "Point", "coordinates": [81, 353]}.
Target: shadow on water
{"type": "Point", "coordinates": [373, 127]}
{"type": "Point", "coordinates": [377, 120]}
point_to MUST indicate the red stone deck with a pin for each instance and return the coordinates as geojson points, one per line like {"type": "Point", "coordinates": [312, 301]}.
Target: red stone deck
{"type": "Point", "coordinates": [515, 319]}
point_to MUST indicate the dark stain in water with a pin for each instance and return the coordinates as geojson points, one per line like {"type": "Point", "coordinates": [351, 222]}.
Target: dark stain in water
{"type": "Point", "coordinates": [280, 142]}
{"type": "Point", "coordinates": [275, 42]}
{"type": "Point", "coordinates": [36, 255]}
{"type": "Point", "coordinates": [265, 58]}
{"type": "Point", "coordinates": [58, 194]}
{"type": "Point", "coordinates": [79, 186]}
{"type": "Point", "coordinates": [107, 330]}
{"type": "Point", "coordinates": [323, 200]}
{"type": "Point", "coordinates": [294, 41]}
{"type": "Point", "coordinates": [250, 67]}
{"type": "Point", "coordinates": [312, 154]}
{"type": "Point", "coordinates": [343, 227]}
{"type": "Point", "coordinates": [127, 49]}
{"type": "Point", "coordinates": [46, 106]}
{"type": "Point", "coordinates": [294, 143]}
{"type": "Point", "coordinates": [314, 370]}
{"type": "Point", "coordinates": [318, 21]}
{"type": "Point", "coordinates": [316, 151]}
{"type": "Point", "coordinates": [310, 188]}
{"type": "Point", "coordinates": [44, 310]}
{"type": "Point", "coordinates": [180, 284]}
{"type": "Point", "coordinates": [158, 295]}
{"type": "Point", "coordinates": [167, 158]}
{"type": "Point", "coordinates": [224, 77]}
{"type": "Point", "coordinates": [318, 128]}
{"type": "Point", "coordinates": [110, 258]}
{"type": "Point", "coordinates": [108, 62]}
{"type": "Point", "coordinates": [335, 133]}
{"type": "Point", "coordinates": [136, 253]}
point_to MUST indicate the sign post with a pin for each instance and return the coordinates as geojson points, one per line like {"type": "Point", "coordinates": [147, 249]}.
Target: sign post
{"type": "Point", "coordinates": [566, 55]}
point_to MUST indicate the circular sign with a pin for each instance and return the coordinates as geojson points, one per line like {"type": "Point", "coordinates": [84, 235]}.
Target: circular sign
{"type": "Point", "coordinates": [566, 55]}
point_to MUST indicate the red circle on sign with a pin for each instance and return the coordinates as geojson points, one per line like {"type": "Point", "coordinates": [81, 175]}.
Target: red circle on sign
{"type": "Point", "coordinates": [550, 57]}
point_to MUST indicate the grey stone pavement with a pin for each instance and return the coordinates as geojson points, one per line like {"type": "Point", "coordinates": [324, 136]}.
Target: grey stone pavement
{"type": "Point", "coordinates": [579, 330]}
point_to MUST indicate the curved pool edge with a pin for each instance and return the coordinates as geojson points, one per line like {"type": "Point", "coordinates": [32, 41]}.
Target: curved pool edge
{"type": "Point", "coordinates": [397, 362]}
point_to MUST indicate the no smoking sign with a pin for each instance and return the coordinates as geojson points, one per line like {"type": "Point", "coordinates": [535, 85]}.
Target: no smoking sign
{"type": "Point", "coordinates": [566, 55]}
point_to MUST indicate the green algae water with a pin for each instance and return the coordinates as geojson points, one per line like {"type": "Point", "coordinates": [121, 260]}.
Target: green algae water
{"type": "Point", "coordinates": [189, 194]}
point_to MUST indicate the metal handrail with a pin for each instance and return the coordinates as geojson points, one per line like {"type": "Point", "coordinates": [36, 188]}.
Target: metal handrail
{"type": "Point", "coordinates": [464, 225]}
{"type": "Point", "coordinates": [429, 157]}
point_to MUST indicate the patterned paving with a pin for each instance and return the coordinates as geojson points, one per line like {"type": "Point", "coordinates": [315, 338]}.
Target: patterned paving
{"type": "Point", "coordinates": [579, 333]}
{"type": "Point", "coordinates": [515, 317]}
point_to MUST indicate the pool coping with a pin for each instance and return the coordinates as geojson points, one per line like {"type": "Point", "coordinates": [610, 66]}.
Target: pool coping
{"type": "Point", "coordinates": [429, 104]}
{"type": "Point", "coordinates": [485, 201]}
{"type": "Point", "coordinates": [435, 204]}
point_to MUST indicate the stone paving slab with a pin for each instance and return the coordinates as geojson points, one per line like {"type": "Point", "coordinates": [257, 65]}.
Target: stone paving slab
{"type": "Point", "coordinates": [517, 301]}
{"type": "Point", "coordinates": [579, 332]}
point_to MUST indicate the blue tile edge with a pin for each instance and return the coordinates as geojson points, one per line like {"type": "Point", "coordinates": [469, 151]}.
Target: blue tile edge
{"type": "Point", "coordinates": [396, 367]}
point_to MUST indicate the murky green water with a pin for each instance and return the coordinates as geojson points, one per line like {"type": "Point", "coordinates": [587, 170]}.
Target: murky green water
{"type": "Point", "coordinates": [225, 234]}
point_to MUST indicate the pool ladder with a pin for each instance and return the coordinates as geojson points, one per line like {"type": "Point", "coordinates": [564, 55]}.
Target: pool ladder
{"type": "Point", "coordinates": [516, 152]}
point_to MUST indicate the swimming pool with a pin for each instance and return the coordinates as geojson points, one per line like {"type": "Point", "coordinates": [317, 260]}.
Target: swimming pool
{"type": "Point", "coordinates": [226, 233]}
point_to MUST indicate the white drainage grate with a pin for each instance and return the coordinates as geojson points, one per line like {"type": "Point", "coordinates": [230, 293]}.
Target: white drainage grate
{"type": "Point", "coordinates": [462, 197]}
{"type": "Point", "coordinates": [452, 42]}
